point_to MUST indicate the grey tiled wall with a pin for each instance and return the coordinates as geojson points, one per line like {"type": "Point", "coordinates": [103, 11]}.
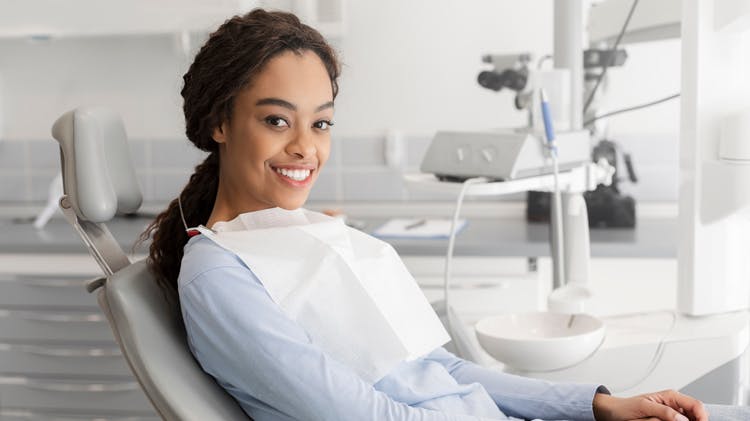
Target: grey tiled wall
{"type": "Point", "coordinates": [356, 170]}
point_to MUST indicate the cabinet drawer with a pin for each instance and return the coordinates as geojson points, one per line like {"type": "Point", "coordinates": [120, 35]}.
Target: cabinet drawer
{"type": "Point", "coordinates": [108, 395]}
{"type": "Point", "coordinates": [60, 324]}
{"type": "Point", "coordinates": [45, 290]}
{"type": "Point", "coordinates": [24, 414]}
{"type": "Point", "coordinates": [60, 359]}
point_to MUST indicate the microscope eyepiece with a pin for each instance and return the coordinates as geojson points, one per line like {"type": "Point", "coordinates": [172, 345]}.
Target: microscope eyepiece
{"type": "Point", "coordinates": [509, 78]}
{"type": "Point", "coordinates": [490, 80]}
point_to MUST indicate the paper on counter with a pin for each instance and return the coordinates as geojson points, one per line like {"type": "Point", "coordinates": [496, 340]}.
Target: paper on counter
{"type": "Point", "coordinates": [413, 228]}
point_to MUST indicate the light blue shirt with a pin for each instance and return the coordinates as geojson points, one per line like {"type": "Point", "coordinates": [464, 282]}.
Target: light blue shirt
{"type": "Point", "coordinates": [267, 362]}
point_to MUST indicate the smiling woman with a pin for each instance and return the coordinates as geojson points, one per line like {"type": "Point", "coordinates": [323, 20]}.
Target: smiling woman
{"type": "Point", "coordinates": [295, 315]}
{"type": "Point", "coordinates": [259, 97]}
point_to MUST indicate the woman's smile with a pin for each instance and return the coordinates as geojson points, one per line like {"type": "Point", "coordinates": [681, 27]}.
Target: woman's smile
{"type": "Point", "coordinates": [294, 175]}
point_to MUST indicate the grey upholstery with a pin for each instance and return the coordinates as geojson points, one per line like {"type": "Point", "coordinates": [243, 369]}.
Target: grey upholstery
{"type": "Point", "coordinates": [99, 182]}
{"type": "Point", "coordinates": [151, 335]}
{"type": "Point", "coordinates": [98, 175]}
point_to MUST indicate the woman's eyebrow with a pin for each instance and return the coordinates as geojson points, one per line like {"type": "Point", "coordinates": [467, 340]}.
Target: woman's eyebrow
{"type": "Point", "coordinates": [276, 101]}
{"type": "Point", "coordinates": [289, 105]}
{"type": "Point", "coordinates": [328, 104]}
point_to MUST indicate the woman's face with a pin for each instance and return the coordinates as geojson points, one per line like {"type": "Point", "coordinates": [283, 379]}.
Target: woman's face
{"type": "Point", "coordinates": [279, 135]}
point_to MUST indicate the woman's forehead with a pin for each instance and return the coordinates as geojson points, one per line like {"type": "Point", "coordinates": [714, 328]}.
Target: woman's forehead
{"type": "Point", "coordinates": [298, 78]}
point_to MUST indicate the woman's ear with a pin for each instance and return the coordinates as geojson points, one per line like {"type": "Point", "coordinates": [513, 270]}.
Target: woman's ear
{"type": "Point", "coordinates": [219, 134]}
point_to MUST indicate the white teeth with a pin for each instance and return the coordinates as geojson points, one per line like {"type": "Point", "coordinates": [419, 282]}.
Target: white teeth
{"type": "Point", "coordinates": [297, 175]}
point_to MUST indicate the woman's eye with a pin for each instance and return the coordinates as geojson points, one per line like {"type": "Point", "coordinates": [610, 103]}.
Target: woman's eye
{"type": "Point", "coordinates": [323, 124]}
{"type": "Point", "coordinates": [277, 121]}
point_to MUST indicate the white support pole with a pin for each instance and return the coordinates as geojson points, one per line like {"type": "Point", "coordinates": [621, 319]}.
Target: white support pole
{"type": "Point", "coordinates": [568, 53]}
{"type": "Point", "coordinates": [714, 270]}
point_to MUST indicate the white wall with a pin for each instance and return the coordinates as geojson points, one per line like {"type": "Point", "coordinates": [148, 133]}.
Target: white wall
{"type": "Point", "coordinates": [138, 76]}
{"type": "Point", "coordinates": [651, 72]}
{"type": "Point", "coordinates": [651, 135]}
{"type": "Point", "coordinates": [410, 65]}
{"type": "Point", "coordinates": [413, 65]}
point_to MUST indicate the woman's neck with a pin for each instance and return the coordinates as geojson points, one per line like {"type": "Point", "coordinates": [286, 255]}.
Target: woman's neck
{"type": "Point", "coordinates": [226, 207]}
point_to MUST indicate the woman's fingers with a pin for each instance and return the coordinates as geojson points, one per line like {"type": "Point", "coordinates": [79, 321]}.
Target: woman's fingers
{"type": "Point", "coordinates": [684, 404]}
{"type": "Point", "coordinates": [662, 411]}
{"type": "Point", "coordinates": [691, 405]}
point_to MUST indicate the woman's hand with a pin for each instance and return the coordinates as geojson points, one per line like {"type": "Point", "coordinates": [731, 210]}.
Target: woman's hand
{"type": "Point", "coordinates": [668, 405]}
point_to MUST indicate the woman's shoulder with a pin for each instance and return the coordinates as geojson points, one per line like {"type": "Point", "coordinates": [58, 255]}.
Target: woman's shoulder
{"type": "Point", "coordinates": [202, 255]}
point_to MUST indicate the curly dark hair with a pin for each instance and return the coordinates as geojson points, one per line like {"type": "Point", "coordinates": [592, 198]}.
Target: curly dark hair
{"type": "Point", "coordinates": [233, 55]}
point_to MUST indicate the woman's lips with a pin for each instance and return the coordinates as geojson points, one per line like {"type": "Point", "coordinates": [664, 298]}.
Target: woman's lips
{"type": "Point", "coordinates": [296, 176]}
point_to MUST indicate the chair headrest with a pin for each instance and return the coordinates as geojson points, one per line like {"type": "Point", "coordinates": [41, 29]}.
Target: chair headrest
{"type": "Point", "coordinates": [98, 175]}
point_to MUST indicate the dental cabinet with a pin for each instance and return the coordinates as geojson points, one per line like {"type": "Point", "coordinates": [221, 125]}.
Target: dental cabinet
{"type": "Point", "coordinates": [58, 356]}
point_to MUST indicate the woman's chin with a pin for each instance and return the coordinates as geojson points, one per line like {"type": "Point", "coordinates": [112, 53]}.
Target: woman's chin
{"type": "Point", "coordinates": [291, 204]}
{"type": "Point", "coordinates": [290, 207]}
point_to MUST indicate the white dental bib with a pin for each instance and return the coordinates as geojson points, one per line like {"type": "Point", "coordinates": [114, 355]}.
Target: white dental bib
{"type": "Point", "coordinates": [349, 291]}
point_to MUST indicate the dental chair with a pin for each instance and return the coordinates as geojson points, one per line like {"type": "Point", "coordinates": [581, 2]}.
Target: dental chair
{"type": "Point", "coordinates": [99, 182]}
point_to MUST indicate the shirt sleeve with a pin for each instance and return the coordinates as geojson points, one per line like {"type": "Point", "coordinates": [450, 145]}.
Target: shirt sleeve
{"type": "Point", "coordinates": [524, 397]}
{"type": "Point", "coordinates": [267, 361]}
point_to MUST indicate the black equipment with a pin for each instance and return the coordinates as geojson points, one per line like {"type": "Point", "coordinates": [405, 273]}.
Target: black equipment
{"type": "Point", "coordinates": [607, 206]}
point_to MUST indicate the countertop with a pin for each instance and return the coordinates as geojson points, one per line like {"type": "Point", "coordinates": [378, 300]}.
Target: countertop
{"type": "Point", "coordinates": [506, 236]}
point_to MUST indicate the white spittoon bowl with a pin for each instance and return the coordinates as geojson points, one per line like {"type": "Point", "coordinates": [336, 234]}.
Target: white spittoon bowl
{"type": "Point", "coordinates": [540, 341]}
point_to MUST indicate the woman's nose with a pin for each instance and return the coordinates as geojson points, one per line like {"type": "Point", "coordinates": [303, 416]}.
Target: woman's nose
{"type": "Point", "coordinates": [303, 144]}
